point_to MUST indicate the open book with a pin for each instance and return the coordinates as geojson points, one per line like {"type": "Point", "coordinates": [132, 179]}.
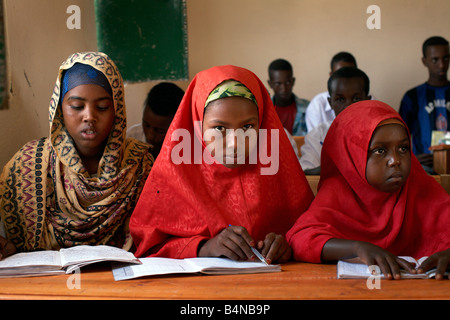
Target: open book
{"type": "Point", "coordinates": [160, 266]}
{"type": "Point", "coordinates": [350, 270]}
{"type": "Point", "coordinates": [63, 261]}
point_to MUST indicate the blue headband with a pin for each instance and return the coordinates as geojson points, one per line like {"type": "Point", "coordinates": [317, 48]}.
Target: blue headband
{"type": "Point", "coordinates": [80, 74]}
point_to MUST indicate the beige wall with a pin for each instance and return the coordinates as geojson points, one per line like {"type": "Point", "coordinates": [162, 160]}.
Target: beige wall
{"type": "Point", "coordinates": [248, 33]}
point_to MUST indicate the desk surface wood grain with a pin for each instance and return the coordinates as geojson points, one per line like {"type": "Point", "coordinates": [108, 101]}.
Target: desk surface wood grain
{"type": "Point", "coordinates": [296, 281]}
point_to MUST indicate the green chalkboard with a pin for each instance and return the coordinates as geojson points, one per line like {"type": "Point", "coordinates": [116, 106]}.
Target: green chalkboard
{"type": "Point", "coordinates": [147, 39]}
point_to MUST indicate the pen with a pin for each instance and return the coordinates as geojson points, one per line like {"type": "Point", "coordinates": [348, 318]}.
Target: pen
{"type": "Point", "coordinates": [259, 255]}
{"type": "Point", "coordinates": [256, 252]}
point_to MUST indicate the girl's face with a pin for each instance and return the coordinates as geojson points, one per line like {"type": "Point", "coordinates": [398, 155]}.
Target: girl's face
{"type": "Point", "coordinates": [389, 158]}
{"type": "Point", "coordinates": [88, 112]}
{"type": "Point", "coordinates": [230, 129]}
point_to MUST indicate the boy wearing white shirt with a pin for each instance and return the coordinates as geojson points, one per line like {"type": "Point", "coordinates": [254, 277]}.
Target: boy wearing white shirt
{"type": "Point", "coordinates": [345, 86]}
{"type": "Point", "coordinates": [319, 109]}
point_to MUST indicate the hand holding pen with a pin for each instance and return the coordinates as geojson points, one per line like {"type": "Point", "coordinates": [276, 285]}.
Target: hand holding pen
{"type": "Point", "coordinates": [275, 248]}
{"type": "Point", "coordinates": [235, 243]}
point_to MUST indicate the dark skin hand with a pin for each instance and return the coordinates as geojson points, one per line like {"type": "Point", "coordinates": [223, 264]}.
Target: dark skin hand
{"type": "Point", "coordinates": [7, 248]}
{"type": "Point", "coordinates": [440, 260]}
{"type": "Point", "coordinates": [390, 264]}
{"type": "Point", "coordinates": [234, 243]}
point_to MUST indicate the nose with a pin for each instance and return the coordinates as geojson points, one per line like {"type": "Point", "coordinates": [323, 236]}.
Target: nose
{"type": "Point", "coordinates": [231, 140]}
{"type": "Point", "coordinates": [394, 160]}
{"type": "Point", "coordinates": [347, 103]}
{"type": "Point", "coordinates": [89, 114]}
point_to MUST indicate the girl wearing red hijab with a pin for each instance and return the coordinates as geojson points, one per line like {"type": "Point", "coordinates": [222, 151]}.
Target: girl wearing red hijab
{"type": "Point", "coordinates": [204, 201]}
{"type": "Point", "coordinates": [374, 201]}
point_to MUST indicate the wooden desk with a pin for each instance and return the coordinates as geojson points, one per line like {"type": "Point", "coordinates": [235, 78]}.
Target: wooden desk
{"type": "Point", "coordinates": [296, 281]}
{"type": "Point", "coordinates": [441, 159]}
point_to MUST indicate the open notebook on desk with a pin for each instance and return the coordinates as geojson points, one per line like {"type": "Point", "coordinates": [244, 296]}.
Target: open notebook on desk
{"type": "Point", "coordinates": [51, 262]}
{"type": "Point", "coordinates": [351, 270]}
{"type": "Point", "coordinates": [161, 266]}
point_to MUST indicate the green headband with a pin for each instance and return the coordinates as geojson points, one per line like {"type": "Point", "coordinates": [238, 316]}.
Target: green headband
{"type": "Point", "coordinates": [230, 88]}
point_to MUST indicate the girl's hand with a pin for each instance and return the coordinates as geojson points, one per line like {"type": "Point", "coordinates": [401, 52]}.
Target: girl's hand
{"type": "Point", "coordinates": [275, 248]}
{"type": "Point", "coordinates": [440, 260]}
{"type": "Point", "coordinates": [233, 242]}
{"type": "Point", "coordinates": [389, 263]}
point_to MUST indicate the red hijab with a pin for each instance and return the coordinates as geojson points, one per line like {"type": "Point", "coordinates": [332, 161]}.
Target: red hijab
{"type": "Point", "coordinates": [183, 204]}
{"type": "Point", "coordinates": [413, 221]}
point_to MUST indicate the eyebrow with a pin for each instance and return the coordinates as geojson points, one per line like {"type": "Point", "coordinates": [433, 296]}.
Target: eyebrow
{"type": "Point", "coordinates": [385, 142]}
{"type": "Point", "coordinates": [218, 121]}
{"type": "Point", "coordinates": [84, 99]}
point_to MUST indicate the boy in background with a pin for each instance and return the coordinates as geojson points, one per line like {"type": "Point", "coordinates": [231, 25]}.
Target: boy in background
{"type": "Point", "coordinates": [319, 110]}
{"type": "Point", "coordinates": [159, 109]}
{"type": "Point", "coordinates": [427, 107]}
{"type": "Point", "coordinates": [345, 86]}
{"type": "Point", "coordinates": [290, 109]}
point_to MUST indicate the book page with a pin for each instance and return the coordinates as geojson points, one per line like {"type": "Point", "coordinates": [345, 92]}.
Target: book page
{"type": "Point", "coordinates": [216, 263]}
{"type": "Point", "coordinates": [85, 254]}
{"type": "Point", "coordinates": [347, 270]}
{"type": "Point", "coordinates": [228, 266]}
{"type": "Point", "coordinates": [350, 270]}
{"type": "Point", "coordinates": [410, 259]}
{"type": "Point", "coordinates": [421, 260]}
{"type": "Point", "coordinates": [36, 258]}
{"type": "Point", "coordinates": [153, 266]}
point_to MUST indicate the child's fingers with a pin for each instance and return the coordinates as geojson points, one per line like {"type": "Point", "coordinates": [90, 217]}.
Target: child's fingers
{"type": "Point", "coordinates": [441, 268]}
{"type": "Point", "coordinates": [408, 266]}
{"type": "Point", "coordinates": [440, 262]}
{"type": "Point", "coordinates": [394, 267]}
{"type": "Point", "coordinates": [273, 253]}
{"type": "Point", "coordinates": [384, 267]}
{"type": "Point", "coordinates": [240, 242]}
{"type": "Point", "coordinates": [275, 246]}
{"type": "Point", "coordinates": [243, 233]}
{"type": "Point", "coordinates": [426, 265]}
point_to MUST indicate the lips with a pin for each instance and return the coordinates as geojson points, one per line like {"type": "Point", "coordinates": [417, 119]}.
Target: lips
{"type": "Point", "coordinates": [396, 177]}
{"type": "Point", "coordinates": [235, 158]}
{"type": "Point", "coordinates": [89, 133]}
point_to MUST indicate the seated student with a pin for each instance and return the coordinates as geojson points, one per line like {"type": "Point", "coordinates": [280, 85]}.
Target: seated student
{"type": "Point", "coordinates": [80, 184]}
{"type": "Point", "coordinates": [290, 108]}
{"type": "Point", "coordinates": [159, 109]}
{"type": "Point", "coordinates": [426, 107]}
{"type": "Point", "coordinates": [345, 86]}
{"type": "Point", "coordinates": [319, 109]}
{"type": "Point", "coordinates": [211, 195]}
{"type": "Point", "coordinates": [374, 201]}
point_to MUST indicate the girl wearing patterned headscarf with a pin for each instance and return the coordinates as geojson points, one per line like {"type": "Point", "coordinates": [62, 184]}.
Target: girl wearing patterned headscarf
{"type": "Point", "coordinates": [79, 185]}
{"type": "Point", "coordinates": [207, 197]}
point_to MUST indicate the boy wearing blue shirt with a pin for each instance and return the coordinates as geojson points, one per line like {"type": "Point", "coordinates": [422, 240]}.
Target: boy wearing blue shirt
{"type": "Point", "coordinates": [426, 107]}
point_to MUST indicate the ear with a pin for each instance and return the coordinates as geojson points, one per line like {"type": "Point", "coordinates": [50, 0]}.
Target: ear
{"type": "Point", "coordinates": [424, 61]}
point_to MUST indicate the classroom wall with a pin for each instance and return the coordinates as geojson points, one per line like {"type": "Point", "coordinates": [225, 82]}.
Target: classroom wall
{"type": "Point", "coordinates": [248, 33]}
